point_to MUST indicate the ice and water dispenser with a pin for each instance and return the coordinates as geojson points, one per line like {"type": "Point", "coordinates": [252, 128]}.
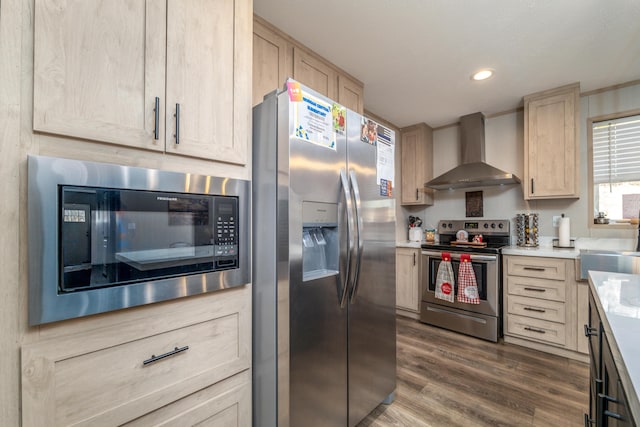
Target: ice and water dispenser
{"type": "Point", "coordinates": [320, 240]}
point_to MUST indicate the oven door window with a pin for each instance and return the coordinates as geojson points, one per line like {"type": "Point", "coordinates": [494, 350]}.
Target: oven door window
{"type": "Point", "coordinates": [479, 268]}
{"type": "Point", "coordinates": [112, 237]}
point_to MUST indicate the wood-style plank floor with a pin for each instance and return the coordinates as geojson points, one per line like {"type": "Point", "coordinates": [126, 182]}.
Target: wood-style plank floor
{"type": "Point", "coordinates": [449, 379]}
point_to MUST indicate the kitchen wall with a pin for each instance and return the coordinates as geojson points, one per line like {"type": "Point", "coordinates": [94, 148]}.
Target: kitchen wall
{"type": "Point", "coordinates": [505, 150]}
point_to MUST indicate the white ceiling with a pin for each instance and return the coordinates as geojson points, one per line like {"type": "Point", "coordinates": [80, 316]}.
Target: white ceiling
{"type": "Point", "coordinates": [415, 57]}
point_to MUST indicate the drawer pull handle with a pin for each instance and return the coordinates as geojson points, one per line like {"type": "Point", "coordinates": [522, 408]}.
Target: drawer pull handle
{"type": "Point", "coordinates": [533, 268]}
{"type": "Point", "coordinates": [155, 358]}
{"type": "Point", "coordinates": [589, 331]}
{"type": "Point", "coordinates": [606, 413]}
{"type": "Point", "coordinates": [540, 331]}
{"type": "Point", "coordinates": [537, 310]}
{"type": "Point", "coordinates": [535, 289]}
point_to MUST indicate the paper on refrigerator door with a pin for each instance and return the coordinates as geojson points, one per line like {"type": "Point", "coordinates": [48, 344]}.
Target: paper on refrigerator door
{"type": "Point", "coordinates": [385, 156]}
{"type": "Point", "coordinates": [313, 119]}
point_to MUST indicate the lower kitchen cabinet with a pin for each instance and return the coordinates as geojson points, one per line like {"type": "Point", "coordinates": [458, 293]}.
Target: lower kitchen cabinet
{"type": "Point", "coordinates": [608, 404]}
{"type": "Point", "coordinates": [544, 307]}
{"type": "Point", "coordinates": [187, 359]}
{"type": "Point", "coordinates": [408, 279]}
{"type": "Point", "coordinates": [227, 403]}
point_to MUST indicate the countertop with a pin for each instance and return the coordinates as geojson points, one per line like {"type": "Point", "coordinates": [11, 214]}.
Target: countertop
{"type": "Point", "coordinates": [617, 298]}
{"type": "Point", "coordinates": [413, 245]}
{"type": "Point", "coordinates": [546, 249]}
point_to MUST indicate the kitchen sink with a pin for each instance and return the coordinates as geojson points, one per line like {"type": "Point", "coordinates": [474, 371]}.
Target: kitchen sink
{"type": "Point", "coordinates": [614, 261]}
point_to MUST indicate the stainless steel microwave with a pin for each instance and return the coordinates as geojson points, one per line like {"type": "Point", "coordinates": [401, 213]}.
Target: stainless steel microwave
{"type": "Point", "coordinates": [104, 237]}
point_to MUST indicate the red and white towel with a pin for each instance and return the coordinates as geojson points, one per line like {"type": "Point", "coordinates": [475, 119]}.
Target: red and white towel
{"type": "Point", "coordinates": [445, 283]}
{"type": "Point", "coordinates": [467, 285]}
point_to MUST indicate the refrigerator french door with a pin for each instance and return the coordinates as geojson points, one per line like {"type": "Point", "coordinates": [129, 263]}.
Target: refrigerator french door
{"type": "Point", "coordinates": [324, 268]}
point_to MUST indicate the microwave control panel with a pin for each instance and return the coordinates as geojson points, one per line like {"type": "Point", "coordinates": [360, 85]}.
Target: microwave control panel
{"type": "Point", "coordinates": [226, 232]}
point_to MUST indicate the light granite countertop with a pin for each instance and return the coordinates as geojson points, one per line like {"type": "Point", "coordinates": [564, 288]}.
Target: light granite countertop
{"type": "Point", "coordinates": [413, 245]}
{"type": "Point", "coordinates": [546, 249]}
{"type": "Point", "coordinates": [617, 298]}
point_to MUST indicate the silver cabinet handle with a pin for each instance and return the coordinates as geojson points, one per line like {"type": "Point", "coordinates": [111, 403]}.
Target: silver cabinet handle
{"type": "Point", "coordinates": [535, 289]}
{"type": "Point", "coordinates": [173, 352]}
{"type": "Point", "coordinates": [540, 331]}
{"type": "Point", "coordinates": [359, 226]}
{"type": "Point", "coordinates": [537, 310]}
{"type": "Point", "coordinates": [533, 268]}
{"type": "Point", "coordinates": [347, 196]}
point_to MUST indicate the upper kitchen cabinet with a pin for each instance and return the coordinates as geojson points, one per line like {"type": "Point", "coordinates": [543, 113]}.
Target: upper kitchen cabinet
{"type": "Point", "coordinates": [277, 56]}
{"type": "Point", "coordinates": [350, 93]}
{"type": "Point", "coordinates": [417, 164]}
{"type": "Point", "coordinates": [315, 73]}
{"type": "Point", "coordinates": [163, 75]}
{"type": "Point", "coordinates": [551, 143]}
{"type": "Point", "coordinates": [272, 59]}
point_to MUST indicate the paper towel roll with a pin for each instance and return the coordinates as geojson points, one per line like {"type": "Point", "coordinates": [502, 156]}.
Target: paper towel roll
{"type": "Point", "coordinates": [564, 232]}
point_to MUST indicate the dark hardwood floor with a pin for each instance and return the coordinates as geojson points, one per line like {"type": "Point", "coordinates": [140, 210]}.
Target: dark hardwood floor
{"type": "Point", "coordinates": [449, 379]}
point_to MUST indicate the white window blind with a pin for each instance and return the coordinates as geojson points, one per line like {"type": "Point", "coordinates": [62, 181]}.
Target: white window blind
{"type": "Point", "coordinates": [616, 150]}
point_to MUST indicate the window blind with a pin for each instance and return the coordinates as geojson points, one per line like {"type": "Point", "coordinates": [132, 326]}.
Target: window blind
{"type": "Point", "coordinates": [616, 150]}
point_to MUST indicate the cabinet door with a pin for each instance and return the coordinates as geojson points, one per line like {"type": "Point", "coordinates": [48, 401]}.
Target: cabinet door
{"type": "Point", "coordinates": [350, 94]}
{"type": "Point", "coordinates": [208, 72]}
{"type": "Point", "coordinates": [407, 279]}
{"type": "Point", "coordinates": [417, 166]}
{"type": "Point", "coordinates": [313, 72]}
{"type": "Point", "coordinates": [551, 144]}
{"type": "Point", "coordinates": [227, 403]}
{"type": "Point", "coordinates": [98, 67]}
{"type": "Point", "coordinates": [611, 405]}
{"type": "Point", "coordinates": [582, 306]}
{"type": "Point", "coordinates": [271, 61]}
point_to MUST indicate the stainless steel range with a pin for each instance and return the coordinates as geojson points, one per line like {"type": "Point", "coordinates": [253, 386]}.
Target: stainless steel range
{"type": "Point", "coordinates": [483, 320]}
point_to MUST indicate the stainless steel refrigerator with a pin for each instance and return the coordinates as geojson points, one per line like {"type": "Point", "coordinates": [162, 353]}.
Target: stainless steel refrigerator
{"type": "Point", "coordinates": [324, 347]}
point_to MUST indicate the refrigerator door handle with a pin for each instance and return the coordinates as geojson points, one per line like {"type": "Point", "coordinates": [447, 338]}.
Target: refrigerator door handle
{"type": "Point", "coordinates": [347, 196]}
{"type": "Point", "coordinates": [359, 225]}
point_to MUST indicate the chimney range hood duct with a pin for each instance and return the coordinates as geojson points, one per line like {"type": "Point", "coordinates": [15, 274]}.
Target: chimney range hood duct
{"type": "Point", "coordinates": [473, 172]}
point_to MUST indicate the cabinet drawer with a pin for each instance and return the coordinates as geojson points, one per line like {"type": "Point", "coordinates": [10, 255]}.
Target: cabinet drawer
{"type": "Point", "coordinates": [540, 330]}
{"type": "Point", "coordinates": [543, 268]}
{"type": "Point", "coordinates": [100, 378]}
{"type": "Point", "coordinates": [552, 311]}
{"type": "Point", "coordinates": [227, 403]}
{"type": "Point", "coordinates": [553, 290]}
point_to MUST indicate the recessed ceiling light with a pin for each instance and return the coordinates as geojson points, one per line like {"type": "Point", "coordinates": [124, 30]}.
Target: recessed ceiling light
{"type": "Point", "coordinates": [482, 74]}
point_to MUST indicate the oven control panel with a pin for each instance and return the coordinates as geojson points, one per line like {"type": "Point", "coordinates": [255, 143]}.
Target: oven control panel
{"type": "Point", "coordinates": [488, 226]}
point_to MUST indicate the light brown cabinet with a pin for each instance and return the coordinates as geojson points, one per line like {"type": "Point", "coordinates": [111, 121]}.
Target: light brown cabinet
{"type": "Point", "coordinates": [416, 164]}
{"type": "Point", "coordinates": [551, 144]}
{"type": "Point", "coordinates": [544, 306]}
{"type": "Point", "coordinates": [408, 279]}
{"type": "Point", "coordinates": [168, 75]}
{"type": "Point", "coordinates": [276, 56]}
{"type": "Point", "coordinates": [272, 60]}
{"type": "Point", "coordinates": [126, 365]}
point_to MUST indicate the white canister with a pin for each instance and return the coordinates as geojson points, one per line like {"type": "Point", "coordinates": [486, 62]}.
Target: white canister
{"type": "Point", "coordinates": [415, 234]}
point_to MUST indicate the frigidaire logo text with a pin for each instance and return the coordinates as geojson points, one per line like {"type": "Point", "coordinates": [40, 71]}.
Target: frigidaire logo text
{"type": "Point", "coordinates": [170, 199]}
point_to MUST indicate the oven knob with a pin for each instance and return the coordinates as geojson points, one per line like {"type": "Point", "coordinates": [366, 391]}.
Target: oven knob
{"type": "Point", "coordinates": [444, 225]}
{"type": "Point", "coordinates": [493, 225]}
{"type": "Point", "coordinates": [501, 225]}
{"type": "Point", "coordinates": [450, 225]}
{"type": "Point", "coordinates": [486, 225]}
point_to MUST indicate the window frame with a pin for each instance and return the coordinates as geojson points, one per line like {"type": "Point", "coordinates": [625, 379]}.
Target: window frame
{"type": "Point", "coordinates": [590, 183]}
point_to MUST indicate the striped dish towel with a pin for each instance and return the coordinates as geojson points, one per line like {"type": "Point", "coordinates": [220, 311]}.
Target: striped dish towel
{"type": "Point", "coordinates": [467, 285]}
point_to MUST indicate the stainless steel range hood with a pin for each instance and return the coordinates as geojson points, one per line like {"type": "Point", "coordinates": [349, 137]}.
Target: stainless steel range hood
{"type": "Point", "coordinates": [473, 172]}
